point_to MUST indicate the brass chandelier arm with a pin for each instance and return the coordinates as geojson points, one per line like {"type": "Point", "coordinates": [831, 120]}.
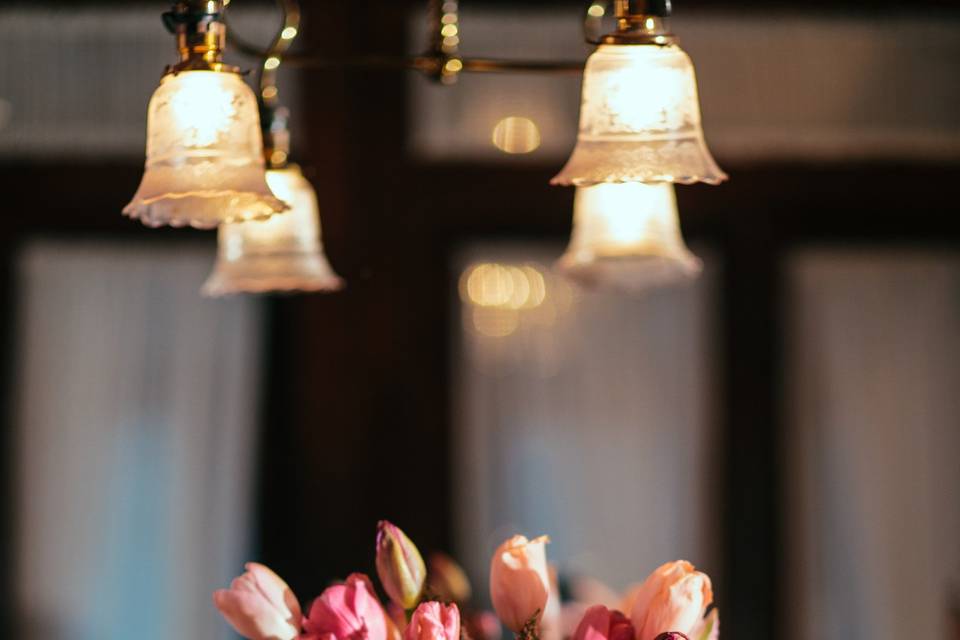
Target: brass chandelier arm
{"type": "Point", "coordinates": [275, 53]}
{"type": "Point", "coordinates": [441, 60]}
{"type": "Point", "coordinates": [273, 117]}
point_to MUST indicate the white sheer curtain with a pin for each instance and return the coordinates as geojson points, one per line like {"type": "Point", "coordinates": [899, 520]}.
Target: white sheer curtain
{"type": "Point", "coordinates": [592, 422]}
{"type": "Point", "coordinates": [874, 402]}
{"type": "Point", "coordinates": [136, 403]}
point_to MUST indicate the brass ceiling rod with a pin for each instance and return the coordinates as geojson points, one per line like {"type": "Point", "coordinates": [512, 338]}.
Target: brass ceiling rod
{"type": "Point", "coordinates": [441, 61]}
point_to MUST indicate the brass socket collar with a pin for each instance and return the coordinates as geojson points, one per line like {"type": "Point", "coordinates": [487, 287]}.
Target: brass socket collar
{"type": "Point", "coordinates": [640, 30]}
{"type": "Point", "coordinates": [201, 36]}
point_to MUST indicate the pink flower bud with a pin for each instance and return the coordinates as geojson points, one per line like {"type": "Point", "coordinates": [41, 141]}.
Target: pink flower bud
{"type": "Point", "coordinates": [447, 580]}
{"type": "Point", "coordinates": [599, 623]}
{"type": "Point", "coordinates": [260, 606]}
{"type": "Point", "coordinates": [399, 565]}
{"type": "Point", "coordinates": [434, 621]}
{"type": "Point", "coordinates": [519, 581]}
{"type": "Point", "coordinates": [483, 625]}
{"type": "Point", "coordinates": [348, 611]}
{"type": "Point", "coordinates": [674, 598]}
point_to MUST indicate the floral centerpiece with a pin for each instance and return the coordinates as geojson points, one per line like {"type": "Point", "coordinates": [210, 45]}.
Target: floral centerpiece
{"type": "Point", "coordinates": [675, 602]}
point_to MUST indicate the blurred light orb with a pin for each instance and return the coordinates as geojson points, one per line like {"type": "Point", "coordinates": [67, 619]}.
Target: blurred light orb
{"type": "Point", "coordinates": [496, 322]}
{"type": "Point", "coordinates": [491, 285]}
{"type": "Point", "coordinates": [538, 287]}
{"type": "Point", "coordinates": [516, 135]}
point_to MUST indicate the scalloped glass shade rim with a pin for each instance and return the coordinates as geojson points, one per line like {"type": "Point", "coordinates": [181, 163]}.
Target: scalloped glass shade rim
{"type": "Point", "coordinates": [629, 271]}
{"type": "Point", "coordinates": [217, 286]}
{"type": "Point", "coordinates": [303, 273]}
{"type": "Point", "coordinates": [582, 172]}
{"type": "Point", "coordinates": [651, 178]}
{"type": "Point", "coordinates": [157, 211]}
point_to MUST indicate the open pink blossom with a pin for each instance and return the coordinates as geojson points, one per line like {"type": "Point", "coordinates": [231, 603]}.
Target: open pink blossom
{"type": "Point", "coordinates": [520, 581]}
{"type": "Point", "coordinates": [600, 623]}
{"type": "Point", "coordinates": [260, 606]}
{"type": "Point", "coordinates": [434, 621]}
{"type": "Point", "coordinates": [348, 611]}
{"type": "Point", "coordinates": [674, 598]}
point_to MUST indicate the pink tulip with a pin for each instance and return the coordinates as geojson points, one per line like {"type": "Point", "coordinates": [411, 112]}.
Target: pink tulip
{"type": "Point", "coordinates": [434, 621]}
{"type": "Point", "coordinates": [673, 598]}
{"type": "Point", "coordinates": [260, 606]}
{"type": "Point", "coordinates": [599, 623]}
{"type": "Point", "coordinates": [519, 581]}
{"type": "Point", "coordinates": [348, 611]}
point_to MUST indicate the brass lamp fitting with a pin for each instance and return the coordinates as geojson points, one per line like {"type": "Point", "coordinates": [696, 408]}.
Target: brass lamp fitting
{"type": "Point", "coordinates": [276, 135]}
{"type": "Point", "coordinates": [641, 22]}
{"type": "Point", "coordinates": [201, 35]}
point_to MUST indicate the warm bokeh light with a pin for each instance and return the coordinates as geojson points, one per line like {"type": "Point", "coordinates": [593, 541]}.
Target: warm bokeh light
{"type": "Point", "coordinates": [503, 286]}
{"type": "Point", "coordinates": [284, 253]}
{"type": "Point", "coordinates": [516, 135]}
{"type": "Point", "coordinates": [494, 322]}
{"type": "Point", "coordinates": [204, 154]}
{"type": "Point", "coordinates": [501, 299]}
{"type": "Point", "coordinates": [640, 120]}
{"type": "Point", "coordinates": [627, 236]}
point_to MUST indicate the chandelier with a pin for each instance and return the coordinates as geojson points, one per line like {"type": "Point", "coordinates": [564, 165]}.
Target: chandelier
{"type": "Point", "coordinates": [217, 155]}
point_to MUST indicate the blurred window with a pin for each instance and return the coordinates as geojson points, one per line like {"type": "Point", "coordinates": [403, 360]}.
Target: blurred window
{"type": "Point", "coordinates": [135, 409]}
{"type": "Point", "coordinates": [873, 406]}
{"type": "Point", "coordinates": [583, 415]}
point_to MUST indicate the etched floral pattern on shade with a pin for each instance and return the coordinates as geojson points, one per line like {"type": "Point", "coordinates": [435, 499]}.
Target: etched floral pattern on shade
{"type": "Point", "coordinates": [204, 154]}
{"type": "Point", "coordinates": [640, 120]}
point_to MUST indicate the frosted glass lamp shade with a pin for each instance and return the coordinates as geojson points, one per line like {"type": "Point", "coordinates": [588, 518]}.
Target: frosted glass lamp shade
{"type": "Point", "coordinates": [627, 236]}
{"type": "Point", "coordinates": [640, 120]}
{"type": "Point", "coordinates": [204, 154]}
{"type": "Point", "coordinates": [283, 253]}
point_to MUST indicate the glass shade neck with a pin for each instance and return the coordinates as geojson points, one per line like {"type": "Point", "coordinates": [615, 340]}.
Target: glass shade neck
{"type": "Point", "coordinates": [201, 35]}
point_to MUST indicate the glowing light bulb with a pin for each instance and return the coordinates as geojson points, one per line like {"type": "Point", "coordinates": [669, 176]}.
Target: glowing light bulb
{"type": "Point", "coordinates": [640, 120]}
{"type": "Point", "coordinates": [284, 253]}
{"type": "Point", "coordinates": [204, 154]}
{"type": "Point", "coordinates": [627, 236]}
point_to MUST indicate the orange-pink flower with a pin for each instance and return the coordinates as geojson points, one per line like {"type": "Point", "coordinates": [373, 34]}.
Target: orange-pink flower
{"type": "Point", "coordinates": [675, 598]}
{"type": "Point", "coordinates": [260, 606]}
{"type": "Point", "coordinates": [519, 581]}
